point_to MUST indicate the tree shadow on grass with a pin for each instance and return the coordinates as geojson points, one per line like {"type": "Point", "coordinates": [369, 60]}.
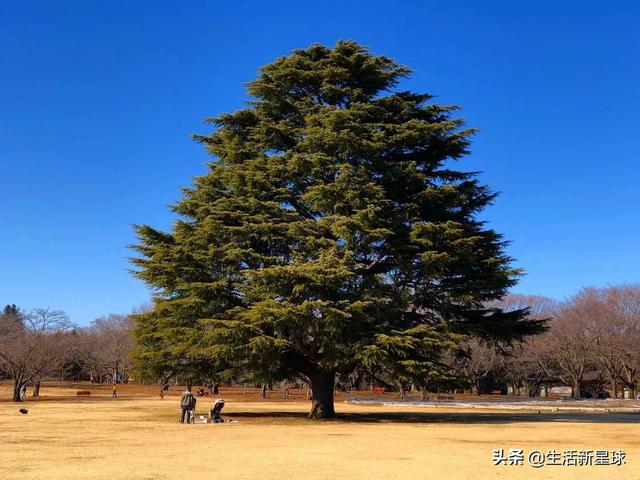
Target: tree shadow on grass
{"type": "Point", "coordinates": [490, 418]}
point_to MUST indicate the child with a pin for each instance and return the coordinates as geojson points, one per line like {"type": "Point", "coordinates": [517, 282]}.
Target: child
{"type": "Point", "coordinates": [192, 411]}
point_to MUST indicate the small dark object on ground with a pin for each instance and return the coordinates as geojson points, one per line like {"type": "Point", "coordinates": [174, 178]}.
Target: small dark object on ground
{"type": "Point", "coordinates": [23, 411]}
{"type": "Point", "coordinates": [83, 393]}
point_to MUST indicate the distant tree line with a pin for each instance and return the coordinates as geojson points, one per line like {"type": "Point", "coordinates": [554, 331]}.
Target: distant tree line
{"type": "Point", "coordinates": [43, 343]}
{"type": "Point", "coordinates": [592, 344]}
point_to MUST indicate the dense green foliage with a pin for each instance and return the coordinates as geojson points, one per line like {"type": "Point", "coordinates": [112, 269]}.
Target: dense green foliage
{"type": "Point", "coordinates": [330, 231]}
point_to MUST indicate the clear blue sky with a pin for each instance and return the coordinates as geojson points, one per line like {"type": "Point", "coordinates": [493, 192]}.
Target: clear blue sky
{"type": "Point", "coordinates": [98, 101]}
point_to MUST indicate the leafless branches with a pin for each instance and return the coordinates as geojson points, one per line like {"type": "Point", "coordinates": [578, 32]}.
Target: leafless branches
{"type": "Point", "coordinates": [33, 345]}
{"type": "Point", "coordinates": [593, 337]}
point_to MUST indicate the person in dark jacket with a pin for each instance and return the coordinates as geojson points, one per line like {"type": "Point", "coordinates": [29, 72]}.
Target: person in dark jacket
{"type": "Point", "coordinates": [187, 404]}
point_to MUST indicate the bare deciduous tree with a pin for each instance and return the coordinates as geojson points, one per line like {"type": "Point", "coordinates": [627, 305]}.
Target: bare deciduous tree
{"type": "Point", "coordinates": [525, 365]}
{"type": "Point", "coordinates": [35, 348]}
{"type": "Point", "coordinates": [615, 314]}
{"type": "Point", "coordinates": [571, 342]}
{"type": "Point", "coordinates": [478, 360]}
{"type": "Point", "coordinates": [111, 344]}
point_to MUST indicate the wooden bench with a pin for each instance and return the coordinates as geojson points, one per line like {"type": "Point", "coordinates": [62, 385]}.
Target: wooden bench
{"type": "Point", "coordinates": [444, 397]}
{"type": "Point", "coordinates": [378, 390]}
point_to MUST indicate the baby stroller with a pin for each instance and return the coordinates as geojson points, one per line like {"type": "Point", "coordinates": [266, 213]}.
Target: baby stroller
{"type": "Point", "coordinates": [215, 411]}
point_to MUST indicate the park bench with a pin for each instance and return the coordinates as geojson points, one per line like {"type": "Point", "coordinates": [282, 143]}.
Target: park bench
{"type": "Point", "coordinates": [83, 393]}
{"type": "Point", "coordinates": [378, 390]}
{"type": "Point", "coordinates": [444, 397]}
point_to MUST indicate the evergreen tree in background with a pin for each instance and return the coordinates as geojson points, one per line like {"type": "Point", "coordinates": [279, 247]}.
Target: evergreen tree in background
{"type": "Point", "coordinates": [331, 231]}
{"type": "Point", "coordinates": [11, 319]}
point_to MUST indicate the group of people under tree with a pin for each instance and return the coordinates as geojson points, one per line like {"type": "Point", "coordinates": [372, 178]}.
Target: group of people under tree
{"type": "Point", "coordinates": [188, 403]}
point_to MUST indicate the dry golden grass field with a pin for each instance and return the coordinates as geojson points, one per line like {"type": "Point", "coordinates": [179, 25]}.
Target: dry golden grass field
{"type": "Point", "coordinates": [137, 437]}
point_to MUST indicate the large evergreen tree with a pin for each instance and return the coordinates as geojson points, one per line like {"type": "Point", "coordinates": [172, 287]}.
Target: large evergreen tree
{"type": "Point", "coordinates": [330, 231]}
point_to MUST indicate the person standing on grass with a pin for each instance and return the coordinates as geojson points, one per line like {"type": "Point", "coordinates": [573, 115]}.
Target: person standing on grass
{"type": "Point", "coordinates": [187, 403]}
{"type": "Point", "coordinates": [162, 394]}
{"type": "Point", "coordinates": [23, 393]}
{"type": "Point", "coordinates": [115, 391]}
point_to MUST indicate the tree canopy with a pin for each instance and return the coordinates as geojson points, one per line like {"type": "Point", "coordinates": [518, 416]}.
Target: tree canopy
{"type": "Point", "coordinates": [330, 231]}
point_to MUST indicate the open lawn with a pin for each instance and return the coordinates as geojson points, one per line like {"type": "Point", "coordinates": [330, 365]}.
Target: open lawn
{"type": "Point", "coordinates": [137, 437]}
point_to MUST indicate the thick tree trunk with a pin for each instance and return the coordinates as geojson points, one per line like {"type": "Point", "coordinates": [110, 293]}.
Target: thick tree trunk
{"type": "Point", "coordinates": [576, 388]}
{"type": "Point", "coordinates": [17, 386]}
{"type": "Point", "coordinates": [322, 384]}
{"type": "Point", "coordinates": [36, 389]}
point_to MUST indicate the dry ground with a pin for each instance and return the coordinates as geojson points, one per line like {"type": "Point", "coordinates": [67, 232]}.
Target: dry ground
{"type": "Point", "coordinates": [137, 437]}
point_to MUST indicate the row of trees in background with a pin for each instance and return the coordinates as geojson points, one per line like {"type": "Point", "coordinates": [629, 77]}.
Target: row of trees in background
{"type": "Point", "coordinates": [43, 343]}
{"type": "Point", "coordinates": [592, 345]}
